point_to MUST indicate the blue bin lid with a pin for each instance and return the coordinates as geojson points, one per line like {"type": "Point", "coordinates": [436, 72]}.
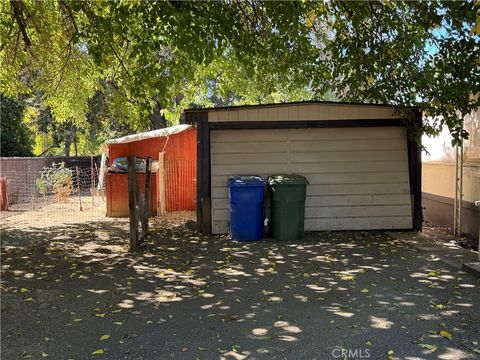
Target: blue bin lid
{"type": "Point", "coordinates": [245, 180]}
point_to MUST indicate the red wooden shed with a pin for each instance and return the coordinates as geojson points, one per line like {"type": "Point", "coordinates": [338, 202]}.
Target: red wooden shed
{"type": "Point", "coordinates": [175, 149]}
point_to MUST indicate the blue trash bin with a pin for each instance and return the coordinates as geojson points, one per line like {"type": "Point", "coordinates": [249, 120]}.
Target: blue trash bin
{"type": "Point", "coordinates": [246, 194]}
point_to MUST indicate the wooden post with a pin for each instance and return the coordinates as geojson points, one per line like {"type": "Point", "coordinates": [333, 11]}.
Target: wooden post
{"type": "Point", "coordinates": [132, 211]}
{"type": "Point", "coordinates": [162, 178]}
{"type": "Point", "coordinates": [92, 180]}
{"type": "Point", "coordinates": [206, 225]}
{"type": "Point", "coordinates": [146, 202]}
{"type": "Point", "coordinates": [139, 210]}
{"type": "Point", "coordinates": [99, 191]}
{"type": "Point", "coordinates": [78, 189]}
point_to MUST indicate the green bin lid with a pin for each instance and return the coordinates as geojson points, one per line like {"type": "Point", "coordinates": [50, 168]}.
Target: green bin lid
{"type": "Point", "coordinates": [287, 179]}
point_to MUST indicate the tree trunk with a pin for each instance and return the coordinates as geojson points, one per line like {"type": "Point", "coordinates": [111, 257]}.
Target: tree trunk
{"type": "Point", "coordinates": [75, 144]}
{"type": "Point", "coordinates": [67, 148]}
{"type": "Point", "coordinates": [156, 119]}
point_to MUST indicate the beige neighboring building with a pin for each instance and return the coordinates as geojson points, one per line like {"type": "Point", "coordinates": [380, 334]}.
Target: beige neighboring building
{"type": "Point", "coordinates": [438, 179]}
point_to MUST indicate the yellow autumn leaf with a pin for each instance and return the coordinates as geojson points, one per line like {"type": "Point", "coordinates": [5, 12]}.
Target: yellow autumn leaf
{"type": "Point", "coordinates": [433, 273]}
{"type": "Point", "coordinates": [306, 275]}
{"type": "Point", "coordinates": [77, 320]}
{"type": "Point", "coordinates": [446, 335]}
{"type": "Point", "coordinates": [100, 315]}
{"type": "Point", "coordinates": [105, 337]}
{"type": "Point", "coordinates": [475, 29]}
{"type": "Point", "coordinates": [23, 290]}
{"type": "Point", "coordinates": [29, 299]}
{"type": "Point", "coordinates": [311, 16]}
{"type": "Point", "coordinates": [364, 290]}
{"type": "Point", "coordinates": [98, 352]}
{"type": "Point", "coordinates": [44, 354]}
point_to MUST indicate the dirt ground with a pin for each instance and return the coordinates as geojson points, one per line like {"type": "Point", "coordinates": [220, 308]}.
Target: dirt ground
{"type": "Point", "coordinates": [73, 291]}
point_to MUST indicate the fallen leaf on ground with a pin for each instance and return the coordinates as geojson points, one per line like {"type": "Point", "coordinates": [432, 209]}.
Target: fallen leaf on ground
{"type": "Point", "coordinates": [100, 315]}
{"type": "Point", "coordinates": [98, 352]}
{"type": "Point", "coordinates": [29, 299]}
{"type": "Point", "coordinates": [23, 290]}
{"type": "Point", "coordinates": [432, 348]}
{"type": "Point", "coordinates": [446, 335]}
{"type": "Point", "coordinates": [390, 354]}
{"type": "Point", "coordinates": [364, 291]}
{"type": "Point", "coordinates": [105, 337]}
{"type": "Point", "coordinates": [44, 354]}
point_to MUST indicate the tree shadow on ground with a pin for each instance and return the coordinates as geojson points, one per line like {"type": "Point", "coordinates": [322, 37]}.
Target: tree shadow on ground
{"type": "Point", "coordinates": [185, 295]}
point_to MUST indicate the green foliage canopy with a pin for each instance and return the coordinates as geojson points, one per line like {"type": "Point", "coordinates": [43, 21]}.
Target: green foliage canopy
{"type": "Point", "coordinates": [16, 137]}
{"type": "Point", "coordinates": [421, 54]}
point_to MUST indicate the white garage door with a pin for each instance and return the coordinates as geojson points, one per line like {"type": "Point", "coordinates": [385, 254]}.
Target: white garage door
{"type": "Point", "coordinates": [358, 176]}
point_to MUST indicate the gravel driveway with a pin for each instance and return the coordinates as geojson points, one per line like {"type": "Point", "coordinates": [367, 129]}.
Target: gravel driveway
{"type": "Point", "coordinates": [74, 292]}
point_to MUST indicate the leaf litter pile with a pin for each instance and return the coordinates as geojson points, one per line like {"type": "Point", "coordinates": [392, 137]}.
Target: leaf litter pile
{"type": "Point", "coordinates": [77, 293]}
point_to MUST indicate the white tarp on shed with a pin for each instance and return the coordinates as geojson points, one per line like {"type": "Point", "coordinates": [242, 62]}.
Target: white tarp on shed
{"type": "Point", "coordinates": [149, 134]}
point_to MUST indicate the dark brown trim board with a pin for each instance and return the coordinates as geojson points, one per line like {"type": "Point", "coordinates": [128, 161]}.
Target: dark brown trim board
{"type": "Point", "coordinates": [203, 168]}
{"type": "Point", "coordinates": [414, 146]}
{"type": "Point", "coordinates": [303, 124]}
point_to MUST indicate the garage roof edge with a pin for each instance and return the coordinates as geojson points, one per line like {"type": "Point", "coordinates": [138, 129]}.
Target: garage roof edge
{"type": "Point", "coordinates": [338, 103]}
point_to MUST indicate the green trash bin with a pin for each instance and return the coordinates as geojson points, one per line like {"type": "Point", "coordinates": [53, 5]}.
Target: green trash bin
{"type": "Point", "coordinates": [288, 193]}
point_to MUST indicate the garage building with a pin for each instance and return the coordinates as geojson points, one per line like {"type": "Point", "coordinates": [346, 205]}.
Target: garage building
{"type": "Point", "coordinates": [363, 167]}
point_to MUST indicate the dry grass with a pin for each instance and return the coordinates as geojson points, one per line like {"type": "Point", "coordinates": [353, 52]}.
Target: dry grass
{"type": "Point", "coordinates": [58, 213]}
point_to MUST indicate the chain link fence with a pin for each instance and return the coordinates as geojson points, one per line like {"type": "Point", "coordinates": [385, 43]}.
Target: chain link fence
{"type": "Point", "coordinates": [53, 190]}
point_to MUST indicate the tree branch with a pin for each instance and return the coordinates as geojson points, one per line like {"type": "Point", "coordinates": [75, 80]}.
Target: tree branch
{"type": "Point", "coordinates": [120, 60]}
{"type": "Point", "coordinates": [18, 10]}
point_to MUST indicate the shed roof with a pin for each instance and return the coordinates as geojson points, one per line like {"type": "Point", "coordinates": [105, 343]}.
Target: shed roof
{"type": "Point", "coordinates": [149, 134]}
{"type": "Point", "coordinates": [306, 102]}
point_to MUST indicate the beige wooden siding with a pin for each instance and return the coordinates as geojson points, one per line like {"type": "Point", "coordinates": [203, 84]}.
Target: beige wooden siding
{"type": "Point", "coordinates": [303, 112]}
{"type": "Point", "coordinates": [358, 176]}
